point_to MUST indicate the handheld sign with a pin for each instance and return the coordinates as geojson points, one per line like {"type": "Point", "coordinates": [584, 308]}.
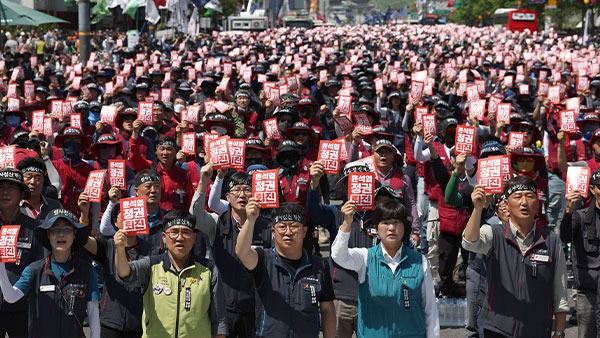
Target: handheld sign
{"type": "Point", "coordinates": [490, 174]}
{"type": "Point", "coordinates": [272, 129]}
{"type": "Point", "coordinates": [516, 140]}
{"type": "Point", "coordinates": [472, 93]}
{"type": "Point", "coordinates": [344, 105]}
{"type": "Point", "coordinates": [217, 152]}
{"type": "Point", "coordinates": [146, 112]}
{"type": "Point", "coordinates": [578, 178]}
{"type": "Point", "coordinates": [265, 188]}
{"type": "Point", "coordinates": [38, 120]}
{"type": "Point", "coordinates": [8, 243]}
{"type": "Point", "coordinates": [116, 173]}
{"type": "Point", "coordinates": [465, 139]}
{"type": "Point", "coordinates": [362, 122]}
{"type": "Point", "coordinates": [344, 123]}
{"type": "Point", "coordinates": [329, 156]}
{"type": "Point", "coordinates": [429, 124]}
{"type": "Point", "coordinates": [503, 113]}
{"type": "Point", "coordinates": [237, 151]}
{"type": "Point", "coordinates": [108, 114]}
{"type": "Point", "coordinates": [419, 112]}
{"type": "Point", "coordinates": [361, 190]}
{"type": "Point", "coordinates": [192, 114]}
{"type": "Point", "coordinates": [134, 216]}
{"type": "Point", "coordinates": [416, 89]}
{"type": "Point", "coordinates": [188, 143]}
{"type": "Point", "coordinates": [543, 89]}
{"type": "Point", "coordinates": [206, 138]}
{"type": "Point", "coordinates": [93, 186]}
{"type": "Point", "coordinates": [476, 109]}
{"type": "Point", "coordinates": [554, 94]}
{"type": "Point", "coordinates": [76, 120]}
{"type": "Point", "coordinates": [567, 121]}
{"type": "Point", "coordinates": [7, 157]}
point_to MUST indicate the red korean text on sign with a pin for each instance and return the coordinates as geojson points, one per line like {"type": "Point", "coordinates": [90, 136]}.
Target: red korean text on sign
{"type": "Point", "coordinates": [116, 173]}
{"type": "Point", "coordinates": [329, 156]}
{"type": "Point", "coordinates": [93, 186]}
{"type": "Point", "coordinates": [265, 188]}
{"type": "Point", "coordinates": [361, 190]}
{"type": "Point", "coordinates": [578, 178]}
{"type": "Point", "coordinates": [134, 216]}
{"type": "Point", "coordinates": [8, 243]}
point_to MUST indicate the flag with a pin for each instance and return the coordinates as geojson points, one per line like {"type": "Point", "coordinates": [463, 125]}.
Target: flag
{"type": "Point", "coordinates": [320, 17]}
{"type": "Point", "coordinates": [253, 5]}
{"type": "Point", "coordinates": [131, 9]}
{"type": "Point", "coordinates": [100, 10]}
{"type": "Point", "coordinates": [199, 3]}
{"type": "Point", "coordinates": [152, 14]}
{"type": "Point", "coordinates": [284, 10]}
{"type": "Point", "coordinates": [450, 3]}
{"type": "Point", "coordinates": [403, 11]}
{"type": "Point", "coordinates": [387, 15]}
{"type": "Point", "coordinates": [193, 25]}
{"type": "Point", "coordinates": [215, 5]}
{"type": "Point", "coordinates": [337, 19]}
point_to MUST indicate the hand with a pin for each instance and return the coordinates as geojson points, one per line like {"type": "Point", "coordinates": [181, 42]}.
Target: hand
{"type": "Point", "coordinates": [268, 142]}
{"type": "Point", "coordinates": [180, 157]}
{"type": "Point", "coordinates": [221, 173]}
{"type": "Point", "coordinates": [99, 126]}
{"type": "Point", "coordinates": [357, 136]}
{"type": "Point", "coordinates": [44, 146]}
{"type": "Point", "coordinates": [478, 197]}
{"type": "Point", "coordinates": [205, 174]}
{"type": "Point", "coordinates": [120, 238]}
{"type": "Point", "coordinates": [181, 127]}
{"type": "Point", "coordinates": [137, 126]}
{"type": "Point", "coordinates": [323, 109]}
{"type": "Point", "coordinates": [428, 139]}
{"type": "Point", "coordinates": [348, 211]}
{"type": "Point", "coordinates": [114, 194]}
{"type": "Point", "coordinates": [561, 136]}
{"type": "Point", "coordinates": [252, 210]}
{"type": "Point", "coordinates": [34, 134]}
{"type": "Point", "coordinates": [418, 129]}
{"type": "Point", "coordinates": [572, 198]}
{"type": "Point", "coordinates": [83, 203]}
{"type": "Point", "coordinates": [316, 172]}
{"type": "Point", "coordinates": [461, 159]}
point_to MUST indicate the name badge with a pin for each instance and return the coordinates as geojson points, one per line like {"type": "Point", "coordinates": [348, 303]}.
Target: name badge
{"type": "Point", "coordinates": [47, 288]}
{"type": "Point", "coordinates": [257, 246]}
{"type": "Point", "coordinates": [540, 258]}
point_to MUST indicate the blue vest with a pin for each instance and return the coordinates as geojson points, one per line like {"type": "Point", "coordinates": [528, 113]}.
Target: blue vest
{"type": "Point", "coordinates": [381, 305]}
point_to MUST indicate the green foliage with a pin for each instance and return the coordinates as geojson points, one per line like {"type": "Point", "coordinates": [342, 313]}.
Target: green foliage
{"type": "Point", "coordinates": [230, 7]}
{"type": "Point", "coordinates": [475, 11]}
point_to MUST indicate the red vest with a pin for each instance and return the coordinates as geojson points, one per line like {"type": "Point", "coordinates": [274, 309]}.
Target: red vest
{"type": "Point", "coordinates": [430, 182]}
{"type": "Point", "coordinates": [573, 153]}
{"type": "Point", "coordinates": [296, 191]}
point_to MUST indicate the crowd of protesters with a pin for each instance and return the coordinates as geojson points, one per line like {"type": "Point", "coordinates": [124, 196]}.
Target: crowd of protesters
{"type": "Point", "coordinates": [214, 263]}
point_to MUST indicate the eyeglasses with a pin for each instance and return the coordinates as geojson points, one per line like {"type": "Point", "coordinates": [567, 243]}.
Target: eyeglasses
{"type": "Point", "coordinates": [526, 159]}
{"type": "Point", "coordinates": [282, 228]}
{"type": "Point", "coordinates": [67, 230]}
{"type": "Point", "coordinates": [451, 130]}
{"type": "Point", "coordinates": [129, 118]}
{"type": "Point", "coordinates": [185, 233]}
{"type": "Point", "coordinates": [524, 130]}
{"type": "Point", "coordinates": [245, 191]}
{"type": "Point", "coordinates": [301, 133]}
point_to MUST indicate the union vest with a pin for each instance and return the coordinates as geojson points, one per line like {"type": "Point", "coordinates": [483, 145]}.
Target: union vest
{"type": "Point", "coordinates": [520, 300]}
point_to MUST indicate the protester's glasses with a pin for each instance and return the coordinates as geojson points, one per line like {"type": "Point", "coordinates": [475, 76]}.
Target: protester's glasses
{"type": "Point", "coordinates": [282, 228]}
{"type": "Point", "coordinates": [129, 118]}
{"type": "Point", "coordinates": [524, 130]}
{"type": "Point", "coordinates": [66, 230]}
{"type": "Point", "coordinates": [185, 233]}
{"type": "Point", "coordinates": [301, 133]}
{"type": "Point", "coordinates": [450, 130]}
{"type": "Point", "coordinates": [237, 192]}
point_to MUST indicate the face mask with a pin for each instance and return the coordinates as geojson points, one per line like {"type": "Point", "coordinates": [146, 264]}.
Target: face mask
{"type": "Point", "coordinates": [525, 166]}
{"type": "Point", "coordinates": [107, 153]}
{"type": "Point", "coordinates": [220, 130]}
{"type": "Point", "coordinates": [178, 108]}
{"type": "Point", "coordinates": [448, 139]}
{"type": "Point", "coordinates": [588, 132]}
{"type": "Point", "coordinates": [13, 120]}
{"type": "Point", "coordinates": [304, 147]}
{"type": "Point", "coordinates": [93, 117]}
{"type": "Point", "coordinates": [283, 126]}
{"type": "Point", "coordinates": [288, 162]}
{"type": "Point", "coordinates": [305, 113]}
{"type": "Point", "coordinates": [71, 151]}
{"type": "Point", "coordinates": [253, 160]}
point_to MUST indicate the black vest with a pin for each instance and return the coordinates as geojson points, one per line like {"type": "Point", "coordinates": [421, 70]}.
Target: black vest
{"type": "Point", "coordinates": [238, 286]}
{"type": "Point", "coordinates": [287, 306]}
{"type": "Point", "coordinates": [520, 299]}
{"type": "Point", "coordinates": [57, 308]}
{"type": "Point", "coordinates": [586, 249]}
{"type": "Point", "coordinates": [122, 306]}
{"type": "Point", "coordinates": [28, 251]}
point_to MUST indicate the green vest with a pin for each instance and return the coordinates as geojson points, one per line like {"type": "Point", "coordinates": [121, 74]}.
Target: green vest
{"type": "Point", "coordinates": [381, 305]}
{"type": "Point", "coordinates": [167, 312]}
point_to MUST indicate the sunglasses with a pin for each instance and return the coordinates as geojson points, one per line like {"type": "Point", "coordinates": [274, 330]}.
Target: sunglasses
{"type": "Point", "coordinates": [524, 130]}
{"type": "Point", "coordinates": [526, 159]}
{"type": "Point", "coordinates": [301, 133]}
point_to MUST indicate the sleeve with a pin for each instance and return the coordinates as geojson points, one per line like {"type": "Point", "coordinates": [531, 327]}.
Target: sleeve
{"type": "Point", "coordinates": [218, 312]}
{"type": "Point", "coordinates": [566, 226]}
{"type": "Point", "coordinates": [484, 244]}
{"type": "Point", "coordinates": [139, 275]}
{"type": "Point", "coordinates": [432, 320]}
{"type": "Point", "coordinates": [100, 255]}
{"type": "Point", "coordinates": [204, 221]}
{"type": "Point", "coordinates": [106, 226]}
{"type": "Point", "coordinates": [258, 271]}
{"type": "Point", "coordinates": [354, 154]}
{"type": "Point", "coordinates": [546, 144]}
{"type": "Point", "coordinates": [320, 213]}
{"type": "Point", "coordinates": [409, 201]}
{"type": "Point", "coordinates": [53, 175]}
{"type": "Point", "coordinates": [451, 195]}
{"type": "Point", "coordinates": [137, 160]}
{"type": "Point", "coordinates": [327, 293]}
{"type": "Point", "coordinates": [93, 319]}
{"type": "Point", "coordinates": [354, 259]}
{"type": "Point", "coordinates": [561, 302]}
{"type": "Point", "coordinates": [440, 172]}
{"type": "Point", "coordinates": [13, 293]}
{"type": "Point", "coordinates": [214, 197]}
{"type": "Point", "coordinates": [420, 154]}
{"type": "Point", "coordinates": [93, 293]}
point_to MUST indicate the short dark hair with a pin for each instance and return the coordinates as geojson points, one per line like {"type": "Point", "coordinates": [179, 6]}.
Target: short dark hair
{"type": "Point", "coordinates": [392, 209]}
{"type": "Point", "coordinates": [114, 214]}
{"type": "Point", "coordinates": [517, 180]}
{"type": "Point", "coordinates": [239, 178]}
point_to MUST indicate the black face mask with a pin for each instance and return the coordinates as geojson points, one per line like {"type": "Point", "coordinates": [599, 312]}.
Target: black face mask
{"type": "Point", "coordinates": [288, 163]}
{"type": "Point", "coordinates": [306, 113]}
{"type": "Point", "coordinates": [284, 125]}
{"type": "Point", "coordinates": [448, 139]}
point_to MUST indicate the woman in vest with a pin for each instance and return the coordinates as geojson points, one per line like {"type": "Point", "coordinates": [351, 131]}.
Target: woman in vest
{"type": "Point", "coordinates": [62, 288]}
{"type": "Point", "coordinates": [395, 292]}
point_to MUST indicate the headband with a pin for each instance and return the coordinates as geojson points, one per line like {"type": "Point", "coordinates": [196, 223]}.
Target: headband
{"type": "Point", "coordinates": [164, 142]}
{"type": "Point", "coordinates": [146, 178]}
{"type": "Point", "coordinates": [520, 187]}
{"type": "Point", "coordinates": [288, 217]}
{"type": "Point", "coordinates": [33, 169]}
{"type": "Point", "coordinates": [178, 222]}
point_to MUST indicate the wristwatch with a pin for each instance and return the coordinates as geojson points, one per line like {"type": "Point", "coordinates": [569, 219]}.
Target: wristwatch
{"type": "Point", "coordinates": [558, 334]}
